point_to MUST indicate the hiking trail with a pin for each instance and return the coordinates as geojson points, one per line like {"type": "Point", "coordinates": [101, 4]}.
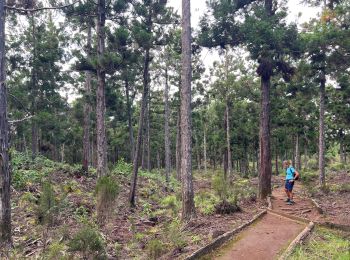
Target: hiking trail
{"type": "Point", "coordinates": [270, 236]}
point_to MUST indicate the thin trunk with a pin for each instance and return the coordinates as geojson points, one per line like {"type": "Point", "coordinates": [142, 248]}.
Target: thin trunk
{"type": "Point", "coordinates": [228, 142]}
{"type": "Point", "coordinates": [148, 133]}
{"type": "Point", "coordinates": [264, 135]}
{"type": "Point", "coordinates": [158, 160]}
{"type": "Point", "coordinates": [166, 129]}
{"type": "Point", "coordinates": [100, 95]}
{"type": "Point", "coordinates": [341, 146]}
{"type": "Point", "coordinates": [297, 153]}
{"type": "Point", "coordinates": [129, 112]}
{"type": "Point", "coordinates": [5, 192]}
{"type": "Point", "coordinates": [188, 209]}
{"type": "Point", "coordinates": [87, 109]}
{"type": "Point", "coordinates": [205, 149]}
{"type": "Point", "coordinates": [34, 94]}
{"type": "Point", "coordinates": [178, 148]}
{"type": "Point", "coordinates": [276, 158]}
{"type": "Point", "coordinates": [321, 144]}
{"type": "Point", "coordinates": [132, 194]}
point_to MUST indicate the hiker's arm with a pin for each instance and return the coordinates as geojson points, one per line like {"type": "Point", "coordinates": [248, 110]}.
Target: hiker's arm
{"type": "Point", "coordinates": [296, 175]}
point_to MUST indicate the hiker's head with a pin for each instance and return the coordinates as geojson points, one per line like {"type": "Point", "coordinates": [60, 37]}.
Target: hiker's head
{"type": "Point", "coordinates": [287, 163]}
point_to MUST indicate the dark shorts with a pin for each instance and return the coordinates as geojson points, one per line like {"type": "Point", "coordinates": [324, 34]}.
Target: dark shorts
{"type": "Point", "coordinates": [289, 185]}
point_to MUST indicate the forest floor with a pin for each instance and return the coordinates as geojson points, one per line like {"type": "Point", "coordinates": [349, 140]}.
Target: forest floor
{"type": "Point", "coordinates": [152, 230]}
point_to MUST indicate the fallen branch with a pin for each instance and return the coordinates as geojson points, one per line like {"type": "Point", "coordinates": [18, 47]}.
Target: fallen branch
{"type": "Point", "coordinates": [298, 240]}
{"type": "Point", "coordinates": [318, 207]}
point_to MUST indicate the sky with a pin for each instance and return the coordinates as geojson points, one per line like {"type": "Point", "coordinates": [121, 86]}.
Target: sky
{"type": "Point", "coordinates": [298, 13]}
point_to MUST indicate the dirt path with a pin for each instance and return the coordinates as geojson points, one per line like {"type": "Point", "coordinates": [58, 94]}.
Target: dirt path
{"type": "Point", "coordinates": [263, 240]}
{"type": "Point", "coordinates": [273, 233]}
{"type": "Point", "coordinates": [303, 207]}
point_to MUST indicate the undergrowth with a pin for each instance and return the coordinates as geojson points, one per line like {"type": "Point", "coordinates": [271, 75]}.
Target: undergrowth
{"type": "Point", "coordinates": [324, 244]}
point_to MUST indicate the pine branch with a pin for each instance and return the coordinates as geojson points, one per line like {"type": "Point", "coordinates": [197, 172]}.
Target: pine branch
{"type": "Point", "coordinates": [40, 9]}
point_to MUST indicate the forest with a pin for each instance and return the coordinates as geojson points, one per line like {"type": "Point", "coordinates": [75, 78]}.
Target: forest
{"type": "Point", "coordinates": [130, 131]}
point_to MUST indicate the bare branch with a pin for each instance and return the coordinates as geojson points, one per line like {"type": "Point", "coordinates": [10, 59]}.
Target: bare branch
{"type": "Point", "coordinates": [12, 122]}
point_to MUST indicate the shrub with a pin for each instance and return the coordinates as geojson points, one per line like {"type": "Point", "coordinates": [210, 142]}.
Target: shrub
{"type": "Point", "coordinates": [206, 202]}
{"type": "Point", "coordinates": [172, 203]}
{"type": "Point", "coordinates": [47, 204]}
{"type": "Point", "coordinates": [220, 186]}
{"type": "Point", "coordinates": [175, 236]}
{"type": "Point", "coordinates": [106, 191]}
{"type": "Point", "coordinates": [56, 251]}
{"type": "Point", "coordinates": [122, 168]}
{"type": "Point", "coordinates": [155, 248]}
{"type": "Point", "coordinates": [88, 242]}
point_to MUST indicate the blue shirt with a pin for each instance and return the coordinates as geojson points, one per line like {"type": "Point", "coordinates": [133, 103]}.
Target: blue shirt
{"type": "Point", "coordinates": [290, 173]}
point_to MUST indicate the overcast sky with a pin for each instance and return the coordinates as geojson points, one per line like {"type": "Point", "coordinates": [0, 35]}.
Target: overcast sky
{"type": "Point", "coordinates": [298, 13]}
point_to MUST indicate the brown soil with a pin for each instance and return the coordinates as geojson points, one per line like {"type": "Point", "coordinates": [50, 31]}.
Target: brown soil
{"type": "Point", "coordinates": [263, 240]}
{"type": "Point", "coordinates": [336, 202]}
{"type": "Point", "coordinates": [303, 207]}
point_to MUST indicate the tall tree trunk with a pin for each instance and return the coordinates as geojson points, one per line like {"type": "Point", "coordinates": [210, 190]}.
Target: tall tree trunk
{"type": "Point", "coordinates": [129, 112]}
{"type": "Point", "coordinates": [100, 95]}
{"type": "Point", "coordinates": [276, 157]}
{"type": "Point", "coordinates": [228, 141]}
{"type": "Point", "coordinates": [5, 192]}
{"type": "Point", "coordinates": [321, 141]}
{"type": "Point", "coordinates": [178, 147]}
{"type": "Point", "coordinates": [341, 146]}
{"type": "Point", "coordinates": [148, 133]}
{"type": "Point", "coordinates": [132, 194]}
{"type": "Point", "coordinates": [34, 91]}
{"type": "Point", "coordinates": [297, 152]}
{"type": "Point", "coordinates": [188, 209]}
{"type": "Point", "coordinates": [264, 135]}
{"type": "Point", "coordinates": [205, 148]}
{"type": "Point", "coordinates": [87, 109]}
{"type": "Point", "coordinates": [166, 129]}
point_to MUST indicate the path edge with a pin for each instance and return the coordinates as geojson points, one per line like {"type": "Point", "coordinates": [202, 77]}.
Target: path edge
{"type": "Point", "coordinates": [302, 236]}
{"type": "Point", "coordinates": [219, 241]}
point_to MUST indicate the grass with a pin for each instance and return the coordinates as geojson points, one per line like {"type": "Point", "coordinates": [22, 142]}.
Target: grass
{"type": "Point", "coordinates": [324, 244]}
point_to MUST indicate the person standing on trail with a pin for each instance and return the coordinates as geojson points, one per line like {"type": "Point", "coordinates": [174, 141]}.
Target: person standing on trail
{"type": "Point", "coordinates": [291, 176]}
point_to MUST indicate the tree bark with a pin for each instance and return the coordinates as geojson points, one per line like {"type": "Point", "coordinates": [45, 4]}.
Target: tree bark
{"type": "Point", "coordinates": [321, 140]}
{"type": "Point", "coordinates": [34, 91]}
{"type": "Point", "coordinates": [87, 109]}
{"type": "Point", "coordinates": [264, 136]}
{"type": "Point", "coordinates": [205, 148]}
{"type": "Point", "coordinates": [297, 153]}
{"type": "Point", "coordinates": [129, 112]}
{"type": "Point", "coordinates": [228, 141]}
{"type": "Point", "coordinates": [188, 209]}
{"type": "Point", "coordinates": [100, 95]}
{"type": "Point", "coordinates": [5, 179]}
{"type": "Point", "coordinates": [166, 129]}
{"type": "Point", "coordinates": [341, 146]}
{"type": "Point", "coordinates": [276, 157]}
{"type": "Point", "coordinates": [178, 147]}
{"type": "Point", "coordinates": [148, 133]}
{"type": "Point", "coordinates": [132, 194]}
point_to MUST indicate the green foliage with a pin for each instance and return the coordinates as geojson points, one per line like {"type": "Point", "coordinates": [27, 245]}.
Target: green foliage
{"type": "Point", "coordinates": [47, 209]}
{"type": "Point", "coordinates": [220, 186]}
{"type": "Point", "coordinates": [88, 241]}
{"type": "Point", "coordinates": [122, 168]}
{"type": "Point", "coordinates": [155, 248]}
{"type": "Point", "coordinates": [205, 202]}
{"type": "Point", "coordinates": [324, 244]}
{"type": "Point", "coordinates": [106, 190]}
{"type": "Point", "coordinates": [175, 235]}
{"type": "Point", "coordinates": [56, 251]}
{"type": "Point", "coordinates": [172, 203]}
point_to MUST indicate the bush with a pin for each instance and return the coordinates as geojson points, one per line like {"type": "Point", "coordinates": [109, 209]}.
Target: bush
{"type": "Point", "coordinates": [88, 241]}
{"type": "Point", "coordinates": [56, 251]}
{"type": "Point", "coordinates": [155, 248]}
{"type": "Point", "coordinates": [220, 186]}
{"type": "Point", "coordinates": [122, 168]}
{"type": "Point", "coordinates": [106, 190]}
{"type": "Point", "coordinates": [206, 202]}
{"type": "Point", "coordinates": [175, 236]}
{"type": "Point", "coordinates": [47, 204]}
{"type": "Point", "coordinates": [172, 203]}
